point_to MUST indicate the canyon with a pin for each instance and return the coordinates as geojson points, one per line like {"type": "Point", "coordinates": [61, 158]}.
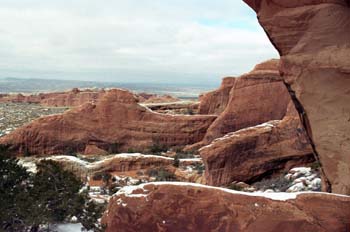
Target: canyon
{"type": "Point", "coordinates": [284, 116]}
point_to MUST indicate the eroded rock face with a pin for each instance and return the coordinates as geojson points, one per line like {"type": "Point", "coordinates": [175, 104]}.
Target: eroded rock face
{"type": "Point", "coordinates": [313, 38]}
{"type": "Point", "coordinates": [257, 152]}
{"type": "Point", "coordinates": [216, 101]}
{"type": "Point", "coordinates": [190, 207]}
{"type": "Point", "coordinates": [116, 123]}
{"type": "Point", "coordinates": [255, 98]}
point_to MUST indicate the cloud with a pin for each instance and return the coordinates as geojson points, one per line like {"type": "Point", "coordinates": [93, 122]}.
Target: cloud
{"type": "Point", "coordinates": [148, 40]}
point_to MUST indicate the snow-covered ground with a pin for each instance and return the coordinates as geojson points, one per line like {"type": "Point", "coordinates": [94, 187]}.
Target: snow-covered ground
{"type": "Point", "coordinates": [70, 227]}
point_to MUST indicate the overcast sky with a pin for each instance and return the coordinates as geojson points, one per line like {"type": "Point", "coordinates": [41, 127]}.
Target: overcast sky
{"type": "Point", "coordinates": [130, 40]}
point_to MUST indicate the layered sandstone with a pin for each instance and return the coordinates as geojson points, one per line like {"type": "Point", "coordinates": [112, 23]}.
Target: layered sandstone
{"type": "Point", "coordinates": [254, 153]}
{"type": "Point", "coordinates": [216, 101]}
{"type": "Point", "coordinates": [313, 39]}
{"type": "Point", "coordinates": [256, 97]}
{"type": "Point", "coordinates": [191, 207]}
{"type": "Point", "coordinates": [115, 123]}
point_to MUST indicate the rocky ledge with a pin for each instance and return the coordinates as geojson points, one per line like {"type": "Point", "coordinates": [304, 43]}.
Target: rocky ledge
{"type": "Point", "coordinates": [171, 206]}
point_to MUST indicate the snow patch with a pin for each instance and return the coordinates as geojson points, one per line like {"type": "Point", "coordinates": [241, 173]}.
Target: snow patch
{"type": "Point", "coordinates": [281, 196]}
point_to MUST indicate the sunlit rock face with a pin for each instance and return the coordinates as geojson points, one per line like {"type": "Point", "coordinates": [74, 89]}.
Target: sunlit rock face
{"type": "Point", "coordinates": [193, 207]}
{"type": "Point", "coordinates": [215, 102]}
{"type": "Point", "coordinates": [256, 97]}
{"type": "Point", "coordinates": [313, 39]}
{"type": "Point", "coordinates": [115, 123]}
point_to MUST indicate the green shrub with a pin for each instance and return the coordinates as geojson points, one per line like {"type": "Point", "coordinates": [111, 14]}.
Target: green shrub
{"type": "Point", "coordinates": [114, 148]}
{"type": "Point", "coordinates": [161, 174]}
{"type": "Point", "coordinates": [157, 148]}
{"type": "Point", "coordinates": [199, 168]}
{"type": "Point", "coordinates": [176, 161]}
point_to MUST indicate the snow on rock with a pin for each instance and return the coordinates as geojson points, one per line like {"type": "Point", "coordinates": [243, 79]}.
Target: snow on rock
{"type": "Point", "coordinates": [141, 191]}
{"type": "Point", "coordinates": [28, 164]}
{"type": "Point", "coordinates": [70, 227]}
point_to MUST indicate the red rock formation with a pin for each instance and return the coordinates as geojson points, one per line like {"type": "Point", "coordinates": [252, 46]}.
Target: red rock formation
{"type": "Point", "coordinates": [71, 98]}
{"type": "Point", "coordinates": [160, 99]}
{"type": "Point", "coordinates": [115, 123]}
{"type": "Point", "coordinates": [181, 207]}
{"type": "Point", "coordinates": [77, 97]}
{"type": "Point", "coordinates": [256, 97]}
{"type": "Point", "coordinates": [257, 152]}
{"type": "Point", "coordinates": [313, 39]}
{"type": "Point", "coordinates": [216, 101]}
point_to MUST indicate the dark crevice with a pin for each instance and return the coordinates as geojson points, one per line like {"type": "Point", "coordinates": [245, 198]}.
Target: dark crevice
{"type": "Point", "coordinates": [278, 167]}
{"type": "Point", "coordinates": [305, 122]}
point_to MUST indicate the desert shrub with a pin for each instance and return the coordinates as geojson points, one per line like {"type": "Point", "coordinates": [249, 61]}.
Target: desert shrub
{"type": "Point", "coordinates": [279, 183]}
{"type": "Point", "coordinates": [176, 162]}
{"type": "Point", "coordinates": [161, 174]}
{"type": "Point", "coordinates": [51, 196]}
{"type": "Point", "coordinates": [97, 176]}
{"type": "Point", "coordinates": [199, 168]}
{"type": "Point", "coordinates": [236, 187]}
{"type": "Point", "coordinates": [156, 148]}
{"type": "Point", "coordinates": [114, 148]}
{"type": "Point", "coordinates": [190, 111]}
{"type": "Point", "coordinates": [69, 151]}
{"type": "Point", "coordinates": [315, 166]}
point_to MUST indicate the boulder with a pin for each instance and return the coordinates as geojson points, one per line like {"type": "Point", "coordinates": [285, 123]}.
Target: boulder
{"type": "Point", "coordinates": [313, 39]}
{"type": "Point", "coordinates": [193, 207]}
{"type": "Point", "coordinates": [115, 123]}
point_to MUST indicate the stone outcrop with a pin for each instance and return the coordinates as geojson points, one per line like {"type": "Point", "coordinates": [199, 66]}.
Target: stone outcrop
{"type": "Point", "coordinates": [77, 97]}
{"type": "Point", "coordinates": [256, 97]}
{"type": "Point", "coordinates": [72, 98]}
{"type": "Point", "coordinates": [258, 152]}
{"type": "Point", "coordinates": [181, 107]}
{"type": "Point", "coordinates": [216, 101]}
{"type": "Point", "coordinates": [313, 39]}
{"type": "Point", "coordinates": [153, 98]}
{"type": "Point", "coordinates": [115, 123]}
{"type": "Point", "coordinates": [193, 207]}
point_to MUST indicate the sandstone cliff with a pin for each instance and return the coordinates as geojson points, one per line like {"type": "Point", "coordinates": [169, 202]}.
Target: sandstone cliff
{"type": "Point", "coordinates": [192, 207]}
{"type": "Point", "coordinates": [313, 39]}
{"type": "Point", "coordinates": [256, 97]}
{"type": "Point", "coordinates": [115, 123]}
{"type": "Point", "coordinates": [216, 101]}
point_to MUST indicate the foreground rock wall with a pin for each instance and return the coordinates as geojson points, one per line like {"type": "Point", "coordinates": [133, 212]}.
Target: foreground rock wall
{"type": "Point", "coordinates": [116, 123]}
{"type": "Point", "coordinates": [313, 39]}
{"type": "Point", "coordinates": [191, 207]}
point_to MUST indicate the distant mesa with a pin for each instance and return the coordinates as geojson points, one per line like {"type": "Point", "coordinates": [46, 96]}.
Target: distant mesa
{"type": "Point", "coordinates": [76, 97]}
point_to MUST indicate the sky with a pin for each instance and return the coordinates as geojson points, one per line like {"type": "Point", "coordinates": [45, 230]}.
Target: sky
{"type": "Point", "coordinates": [175, 41]}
